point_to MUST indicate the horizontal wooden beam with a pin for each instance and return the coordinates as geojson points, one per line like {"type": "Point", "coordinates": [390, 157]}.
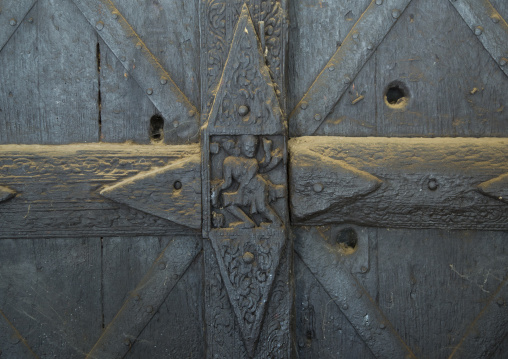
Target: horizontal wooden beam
{"type": "Point", "coordinates": [424, 182]}
{"type": "Point", "coordinates": [57, 190]}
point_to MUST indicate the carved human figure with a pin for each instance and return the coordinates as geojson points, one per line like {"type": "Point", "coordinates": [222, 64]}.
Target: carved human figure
{"type": "Point", "coordinates": [247, 187]}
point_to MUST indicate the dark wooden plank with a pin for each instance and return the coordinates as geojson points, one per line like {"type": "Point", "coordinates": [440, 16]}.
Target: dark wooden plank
{"type": "Point", "coordinates": [424, 183]}
{"type": "Point", "coordinates": [316, 31]}
{"type": "Point", "coordinates": [345, 64]}
{"type": "Point", "coordinates": [455, 87]}
{"type": "Point", "coordinates": [325, 259]}
{"type": "Point", "coordinates": [12, 343]}
{"type": "Point", "coordinates": [144, 66]}
{"type": "Point", "coordinates": [322, 330]}
{"type": "Point", "coordinates": [19, 91]}
{"type": "Point", "coordinates": [50, 291]}
{"type": "Point", "coordinates": [12, 15]}
{"type": "Point", "coordinates": [354, 113]}
{"type": "Point", "coordinates": [58, 189]}
{"type": "Point", "coordinates": [176, 330]}
{"type": "Point", "coordinates": [170, 29]}
{"type": "Point", "coordinates": [146, 299]}
{"type": "Point", "coordinates": [67, 75]}
{"type": "Point", "coordinates": [434, 283]}
{"type": "Point", "coordinates": [126, 110]}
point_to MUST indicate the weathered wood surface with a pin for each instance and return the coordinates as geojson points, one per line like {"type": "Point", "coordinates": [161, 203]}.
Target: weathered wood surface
{"type": "Point", "coordinates": [146, 299]}
{"type": "Point", "coordinates": [58, 189]}
{"type": "Point", "coordinates": [426, 183]}
{"type": "Point", "coordinates": [440, 74]}
{"type": "Point", "coordinates": [49, 87]}
{"type": "Point", "coordinates": [50, 292]}
{"type": "Point", "coordinates": [144, 66]}
{"type": "Point", "coordinates": [344, 65]}
{"type": "Point", "coordinates": [444, 291]}
{"type": "Point", "coordinates": [324, 258]}
{"type": "Point", "coordinates": [12, 15]}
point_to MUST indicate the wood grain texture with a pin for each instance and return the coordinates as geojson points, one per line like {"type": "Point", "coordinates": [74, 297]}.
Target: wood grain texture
{"type": "Point", "coordinates": [125, 108]}
{"type": "Point", "coordinates": [146, 299]}
{"type": "Point", "coordinates": [12, 15]}
{"type": "Point", "coordinates": [427, 183]}
{"type": "Point", "coordinates": [51, 293]}
{"type": "Point", "coordinates": [501, 6]}
{"type": "Point", "coordinates": [316, 30]}
{"type": "Point", "coordinates": [322, 331]}
{"type": "Point", "coordinates": [334, 79]}
{"type": "Point", "coordinates": [434, 283]}
{"type": "Point", "coordinates": [144, 66]}
{"type": "Point", "coordinates": [49, 91]}
{"type": "Point", "coordinates": [433, 52]}
{"type": "Point", "coordinates": [177, 329]}
{"type": "Point", "coordinates": [59, 188]}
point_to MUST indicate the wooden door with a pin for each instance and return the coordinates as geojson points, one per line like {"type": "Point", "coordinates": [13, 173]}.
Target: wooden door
{"type": "Point", "coordinates": [384, 153]}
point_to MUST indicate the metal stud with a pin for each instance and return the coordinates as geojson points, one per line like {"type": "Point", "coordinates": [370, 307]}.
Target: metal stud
{"type": "Point", "coordinates": [495, 19]}
{"type": "Point", "coordinates": [347, 80]}
{"type": "Point", "coordinates": [31, 20]}
{"type": "Point", "coordinates": [331, 68]}
{"type": "Point", "coordinates": [163, 81]}
{"type": "Point", "coordinates": [13, 22]}
{"type": "Point", "coordinates": [115, 14]}
{"type": "Point", "coordinates": [99, 25]}
{"type": "Point", "coordinates": [345, 306]}
{"type": "Point", "coordinates": [317, 117]}
{"type": "Point", "coordinates": [149, 309]}
{"type": "Point", "coordinates": [138, 46]}
{"type": "Point", "coordinates": [433, 185]}
{"type": "Point", "coordinates": [149, 91]}
{"type": "Point", "coordinates": [303, 106]}
{"type": "Point", "coordinates": [248, 257]}
{"type": "Point", "coordinates": [478, 30]}
{"type": "Point", "coordinates": [395, 13]}
{"type": "Point", "coordinates": [355, 35]}
{"type": "Point", "coordinates": [370, 46]}
{"type": "Point", "coordinates": [176, 124]}
{"type": "Point", "coordinates": [243, 110]}
{"type": "Point", "coordinates": [318, 187]}
{"type": "Point", "coordinates": [503, 61]}
{"type": "Point", "coordinates": [162, 265]}
{"type": "Point", "coordinates": [379, 2]}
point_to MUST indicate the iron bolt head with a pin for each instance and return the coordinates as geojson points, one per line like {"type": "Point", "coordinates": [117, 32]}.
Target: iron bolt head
{"type": "Point", "coordinates": [13, 22]}
{"type": "Point", "coordinates": [395, 13]}
{"type": "Point", "coordinates": [345, 306]}
{"type": "Point", "coordinates": [364, 269]}
{"type": "Point", "coordinates": [382, 326]}
{"type": "Point", "coordinates": [503, 62]}
{"type": "Point", "coordinates": [318, 187]}
{"type": "Point", "coordinates": [304, 106]}
{"type": "Point", "coordinates": [99, 25]}
{"type": "Point", "coordinates": [478, 30]}
{"type": "Point", "coordinates": [149, 309]}
{"type": "Point", "coordinates": [162, 265]}
{"type": "Point", "coordinates": [331, 68]}
{"type": "Point", "coordinates": [149, 91]}
{"type": "Point", "coordinates": [317, 117]}
{"type": "Point", "coordinates": [379, 2]}
{"type": "Point", "coordinates": [243, 110]}
{"type": "Point", "coordinates": [248, 257]}
{"type": "Point", "coordinates": [163, 81]}
{"type": "Point", "coordinates": [127, 342]}
{"type": "Point", "coordinates": [432, 184]}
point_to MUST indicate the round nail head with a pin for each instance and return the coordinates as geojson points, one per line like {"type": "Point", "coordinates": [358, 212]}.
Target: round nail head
{"type": "Point", "coordinates": [248, 257]}
{"type": "Point", "coordinates": [243, 110]}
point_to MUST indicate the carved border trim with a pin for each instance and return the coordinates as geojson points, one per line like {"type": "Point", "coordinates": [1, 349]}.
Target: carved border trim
{"type": "Point", "coordinates": [344, 66]}
{"type": "Point", "coordinates": [148, 72]}
{"type": "Point", "coordinates": [489, 27]}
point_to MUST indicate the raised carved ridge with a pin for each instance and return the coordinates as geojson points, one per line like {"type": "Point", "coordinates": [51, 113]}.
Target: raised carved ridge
{"type": "Point", "coordinates": [244, 194]}
{"type": "Point", "coordinates": [172, 192]}
{"type": "Point", "coordinates": [6, 194]}
{"type": "Point", "coordinates": [496, 188]}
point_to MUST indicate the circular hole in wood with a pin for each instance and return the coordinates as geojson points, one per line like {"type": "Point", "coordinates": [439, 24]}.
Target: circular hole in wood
{"type": "Point", "coordinates": [347, 240]}
{"type": "Point", "coordinates": [396, 95]}
{"type": "Point", "coordinates": [177, 185]}
{"type": "Point", "coordinates": [156, 129]}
